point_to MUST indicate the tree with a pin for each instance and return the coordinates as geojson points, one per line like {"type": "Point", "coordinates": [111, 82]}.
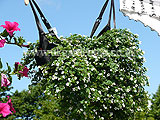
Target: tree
{"type": "Point", "coordinates": [155, 107]}
{"type": "Point", "coordinates": [34, 104]}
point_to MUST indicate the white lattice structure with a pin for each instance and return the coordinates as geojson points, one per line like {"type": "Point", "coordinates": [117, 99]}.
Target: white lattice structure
{"type": "Point", "coordinates": [145, 11]}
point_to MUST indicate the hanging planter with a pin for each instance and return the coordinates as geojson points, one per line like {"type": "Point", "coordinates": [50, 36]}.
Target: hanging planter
{"type": "Point", "coordinates": [94, 78]}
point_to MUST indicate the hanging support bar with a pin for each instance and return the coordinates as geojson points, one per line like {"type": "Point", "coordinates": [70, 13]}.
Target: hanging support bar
{"type": "Point", "coordinates": [107, 27]}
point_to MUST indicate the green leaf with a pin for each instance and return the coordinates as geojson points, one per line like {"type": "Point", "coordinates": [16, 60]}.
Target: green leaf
{"type": "Point", "coordinates": [4, 34]}
{"type": "Point", "coordinates": [1, 64]}
{"type": "Point", "coordinates": [9, 68]}
{"type": "Point", "coordinates": [21, 40]}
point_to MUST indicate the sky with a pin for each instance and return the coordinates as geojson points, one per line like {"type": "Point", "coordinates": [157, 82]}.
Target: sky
{"type": "Point", "coordinates": [74, 16]}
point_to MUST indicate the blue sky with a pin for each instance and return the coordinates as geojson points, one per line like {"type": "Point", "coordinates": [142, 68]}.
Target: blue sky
{"type": "Point", "coordinates": [74, 16]}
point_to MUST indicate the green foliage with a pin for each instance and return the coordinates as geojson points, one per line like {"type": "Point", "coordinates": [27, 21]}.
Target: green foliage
{"type": "Point", "coordinates": [1, 64]}
{"type": "Point", "coordinates": [99, 78]}
{"type": "Point", "coordinates": [34, 104]}
{"type": "Point", "coordinates": [155, 107]}
{"type": "Point", "coordinates": [4, 91]}
{"type": "Point", "coordinates": [4, 33]}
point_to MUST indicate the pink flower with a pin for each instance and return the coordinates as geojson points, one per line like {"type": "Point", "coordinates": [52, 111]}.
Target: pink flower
{"type": "Point", "coordinates": [6, 108]}
{"type": "Point", "coordinates": [2, 42]}
{"type": "Point", "coordinates": [25, 71]}
{"type": "Point", "coordinates": [4, 80]}
{"type": "Point", "coordinates": [11, 105]}
{"type": "Point", "coordinates": [11, 27]}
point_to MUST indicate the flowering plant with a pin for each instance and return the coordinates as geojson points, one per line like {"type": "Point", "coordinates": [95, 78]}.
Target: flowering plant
{"type": "Point", "coordinates": [101, 78]}
{"type": "Point", "coordinates": [6, 37]}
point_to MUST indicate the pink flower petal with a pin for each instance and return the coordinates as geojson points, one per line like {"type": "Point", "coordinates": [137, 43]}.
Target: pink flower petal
{"type": "Point", "coordinates": [2, 42]}
{"type": "Point", "coordinates": [11, 27]}
{"type": "Point", "coordinates": [25, 71]}
{"type": "Point", "coordinates": [11, 105]}
{"type": "Point", "coordinates": [5, 109]}
{"type": "Point", "coordinates": [15, 26]}
{"type": "Point", "coordinates": [4, 80]}
{"type": "Point", "coordinates": [4, 26]}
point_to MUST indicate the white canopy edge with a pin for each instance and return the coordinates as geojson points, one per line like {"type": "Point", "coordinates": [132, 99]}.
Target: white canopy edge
{"type": "Point", "coordinates": [147, 17]}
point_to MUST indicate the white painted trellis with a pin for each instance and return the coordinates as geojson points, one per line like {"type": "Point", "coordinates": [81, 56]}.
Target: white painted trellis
{"type": "Point", "coordinates": [145, 11]}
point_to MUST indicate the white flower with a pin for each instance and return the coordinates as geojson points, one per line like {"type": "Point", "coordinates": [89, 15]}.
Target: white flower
{"type": "Point", "coordinates": [134, 47]}
{"type": "Point", "coordinates": [62, 72]}
{"type": "Point", "coordinates": [113, 83]}
{"type": "Point", "coordinates": [54, 77]}
{"type": "Point", "coordinates": [121, 78]}
{"type": "Point", "coordinates": [104, 106]}
{"type": "Point", "coordinates": [140, 42]}
{"type": "Point", "coordinates": [73, 89]}
{"type": "Point", "coordinates": [99, 92]}
{"type": "Point", "coordinates": [56, 73]}
{"type": "Point", "coordinates": [144, 59]}
{"type": "Point", "coordinates": [57, 64]}
{"type": "Point", "coordinates": [111, 113]}
{"type": "Point", "coordinates": [92, 69]}
{"type": "Point", "coordinates": [127, 90]}
{"type": "Point", "coordinates": [98, 98]}
{"type": "Point", "coordinates": [106, 89]}
{"type": "Point", "coordinates": [92, 89]}
{"type": "Point", "coordinates": [89, 96]}
{"type": "Point", "coordinates": [63, 76]}
{"type": "Point", "coordinates": [69, 79]}
{"type": "Point", "coordinates": [89, 38]}
{"type": "Point", "coordinates": [122, 97]}
{"type": "Point", "coordinates": [108, 74]}
{"type": "Point", "coordinates": [116, 90]}
{"type": "Point", "coordinates": [131, 78]}
{"type": "Point", "coordinates": [123, 105]}
{"type": "Point", "coordinates": [78, 88]}
{"type": "Point", "coordinates": [143, 52]}
{"type": "Point", "coordinates": [77, 82]}
{"type": "Point", "coordinates": [135, 81]}
{"type": "Point", "coordinates": [102, 118]}
{"type": "Point", "coordinates": [100, 74]}
{"type": "Point", "coordinates": [85, 85]}
{"type": "Point", "coordinates": [67, 84]}
{"type": "Point", "coordinates": [57, 90]}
